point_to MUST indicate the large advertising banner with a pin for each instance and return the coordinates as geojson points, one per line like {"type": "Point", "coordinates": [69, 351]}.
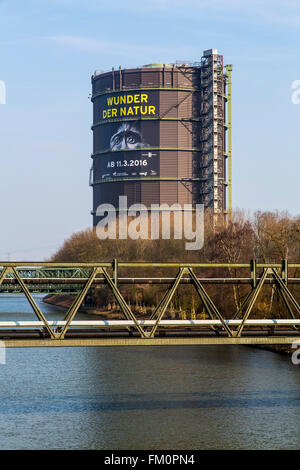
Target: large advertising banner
{"type": "Point", "coordinates": [122, 138]}
{"type": "Point", "coordinates": [126, 135]}
{"type": "Point", "coordinates": [118, 119]}
{"type": "Point", "coordinates": [126, 105]}
{"type": "Point", "coordinates": [127, 165]}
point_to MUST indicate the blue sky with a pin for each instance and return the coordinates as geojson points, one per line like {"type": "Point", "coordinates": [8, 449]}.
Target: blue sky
{"type": "Point", "coordinates": [50, 48]}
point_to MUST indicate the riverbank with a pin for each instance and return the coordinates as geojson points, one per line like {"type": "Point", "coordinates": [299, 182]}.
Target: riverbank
{"type": "Point", "coordinates": [62, 301]}
{"type": "Point", "coordinates": [65, 302]}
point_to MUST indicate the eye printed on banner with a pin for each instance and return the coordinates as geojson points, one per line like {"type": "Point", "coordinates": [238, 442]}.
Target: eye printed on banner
{"type": "Point", "coordinates": [127, 137]}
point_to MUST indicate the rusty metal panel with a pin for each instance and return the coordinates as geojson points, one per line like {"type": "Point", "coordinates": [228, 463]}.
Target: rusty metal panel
{"type": "Point", "coordinates": [185, 193]}
{"type": "Point", "coordinates": [168, 104]}
{"type": "Point", "coordinates": [169, 134]}
{"type": "Point", "coordinates": [168, 78]}
{"type": "Point", "coordinates": [150, 193]}
{"type": "Point", "coordinates": [174, 78]}
{"type": "Point", "coordinates": [117, 80]}
{"type": "Point", "coordinates": [169, 164]}
{"type": "Point", "coordinates": [185, 104]}
{"type": "Point", "coordinates": [185, 164]}
{"type": "Point", "coordinates": [184, 77]}
{"type": "Point", "coordinates": [104, 82]}
{"type": "Point", "coordinates": [132, 79]}
{"type": "Point", "coordinates": [151, 78]}
{"type": "Point", "coordinates": [168, 192]}
{"type": "Point", "coordinates": [185, 135]}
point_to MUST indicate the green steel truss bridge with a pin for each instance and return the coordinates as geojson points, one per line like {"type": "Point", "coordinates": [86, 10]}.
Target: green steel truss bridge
{"type": "Point", "coordinates": [30, 278]}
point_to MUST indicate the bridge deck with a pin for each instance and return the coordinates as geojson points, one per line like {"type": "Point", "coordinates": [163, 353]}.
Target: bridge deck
{"type": "Point", "coordinates": [169, 332]}
{"type": "Point", "coordinates": [157, 341]}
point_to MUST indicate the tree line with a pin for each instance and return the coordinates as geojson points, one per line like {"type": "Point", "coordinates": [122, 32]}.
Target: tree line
{"type": "Point", "coordinates": [263, 236]}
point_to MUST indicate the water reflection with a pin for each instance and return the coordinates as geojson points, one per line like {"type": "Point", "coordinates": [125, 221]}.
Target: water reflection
{"type": "Point", "coordinates": [205, 397]}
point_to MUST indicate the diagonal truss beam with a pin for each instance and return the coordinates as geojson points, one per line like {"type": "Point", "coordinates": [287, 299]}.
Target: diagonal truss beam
{"type": "Point", "coordinates": [240, 309]}
{"type": "Point", "coordinates": [163, 305]}
{"type": "Point", "coordinates": [33, 304]}
{"type": "Point", "coordinates": [287, 293]}
{"type": "Point", "coordinates": [254, 296]}
{"type": "Point", "coordinates": [77, 302]}
{"type": "Point", "coordinates": [162, 300]}
{"type": "Point", "coordinates": [124, 306]}
{"type": "Point", "coordinates": [205, 298]}
{"type": "Point", "coordinates": [285, 300]}
{"type": "Point", "coordinates": [5, 271]}
{"type": "Point", "coordinates": [206, 304]}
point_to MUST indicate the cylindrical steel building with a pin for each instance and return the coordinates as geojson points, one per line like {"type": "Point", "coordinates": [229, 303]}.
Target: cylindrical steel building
{"type": "Point", "coordinates": [155, 135]}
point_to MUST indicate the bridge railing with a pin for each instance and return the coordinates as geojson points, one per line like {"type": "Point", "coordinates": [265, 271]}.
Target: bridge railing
{"type": "Point", "coordinates": [30, 277]}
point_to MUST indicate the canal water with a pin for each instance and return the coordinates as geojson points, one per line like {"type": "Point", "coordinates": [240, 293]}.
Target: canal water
{"type": "Point", "coordinates": [192, 397]}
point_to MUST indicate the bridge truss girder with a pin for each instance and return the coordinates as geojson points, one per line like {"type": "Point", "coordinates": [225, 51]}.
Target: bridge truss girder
{"type": "Point", "coordinates": [12, 272]}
